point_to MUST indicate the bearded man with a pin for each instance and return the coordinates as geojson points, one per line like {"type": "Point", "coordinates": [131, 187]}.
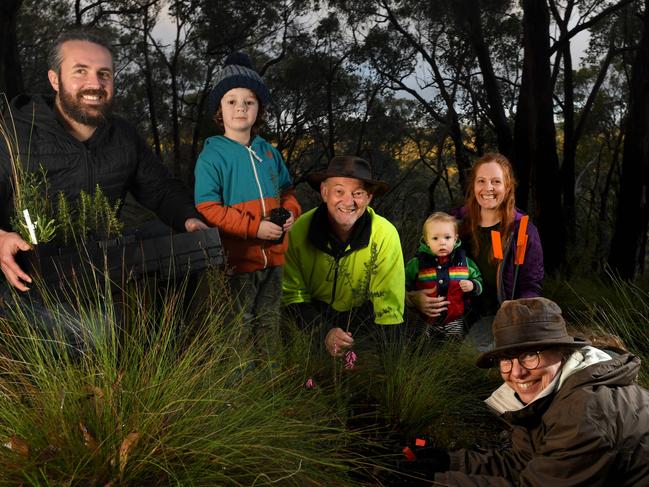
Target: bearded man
{"type": "Point", "coordinates": [81, 146]}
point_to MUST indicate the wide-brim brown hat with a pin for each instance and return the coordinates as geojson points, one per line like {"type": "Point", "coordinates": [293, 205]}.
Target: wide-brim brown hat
{"type": "Point", "coordinates": [349, 167]}
{"type": "Point", "coordinates": [528, 323]}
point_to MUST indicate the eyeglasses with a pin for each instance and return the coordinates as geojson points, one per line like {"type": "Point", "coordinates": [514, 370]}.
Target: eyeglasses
{"type": "Point", "coordinates": [527, 360]}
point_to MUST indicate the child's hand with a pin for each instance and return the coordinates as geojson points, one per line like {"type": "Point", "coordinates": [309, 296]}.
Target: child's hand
{"type": "Point", "coordinates": [466, 286]}
{"type": "Point", "coordinates": [269, 231]}
{"type": "Point", "coordinates": [289, 222]}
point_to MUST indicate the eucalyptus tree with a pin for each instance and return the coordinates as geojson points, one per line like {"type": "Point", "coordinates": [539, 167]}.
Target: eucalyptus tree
{"type": "Point", "coordinates": [628, 247]}
{"type": "Point", "coordinates": [411, 45]}
{"type": "Point", "coordinates": [37, 25]}
{"type": "Point", "coordinates": [11, 80]}
{"type": "Point", "coordinates": [535, 154]}
{"type": "Point", "coordinates": [323, 100]}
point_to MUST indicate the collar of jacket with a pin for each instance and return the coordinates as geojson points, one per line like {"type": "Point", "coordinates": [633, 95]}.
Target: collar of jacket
{"type": "Point", "coordinates": [504, 401]}
{"type": "Point", "coordinates": [323, 238]}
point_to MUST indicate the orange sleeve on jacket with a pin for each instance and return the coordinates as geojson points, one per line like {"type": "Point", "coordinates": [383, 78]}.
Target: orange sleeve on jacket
{"type": "Point", "coordinates": [231, 221]}
{"type": "Point", "coordinates": [289, 201]}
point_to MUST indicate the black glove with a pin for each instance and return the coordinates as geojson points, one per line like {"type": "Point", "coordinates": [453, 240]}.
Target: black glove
{"type": "Point", "coordinates": [420, 464]}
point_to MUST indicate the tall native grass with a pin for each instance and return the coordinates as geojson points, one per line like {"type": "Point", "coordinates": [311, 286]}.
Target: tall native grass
{"type": "Point", "coordinates": [435, 391]}
{"type": "Point", "coordinates": [622, 312]}
{"type": "Point", "coordinates": [408, 389]}
{"type": "Point", "coordinates": [159, 396]}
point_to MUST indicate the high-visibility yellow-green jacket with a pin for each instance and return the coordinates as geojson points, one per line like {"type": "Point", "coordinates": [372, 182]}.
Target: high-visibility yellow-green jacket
{"type": "Point", "coordinates": [369, 268]}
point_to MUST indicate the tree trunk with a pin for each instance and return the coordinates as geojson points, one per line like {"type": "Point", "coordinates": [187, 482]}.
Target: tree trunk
{"type": "Point", "coordinates": [11, 80]}
{"type": "Point", "coordinates": [461, 156]}
{"type": "Point", "coordinates": [200, 108]}
{"type": "Point", "coordinates": [175, 124]}
{"type": "Point", "coordinates": [631, 221]}
{"type": "Point", "coordinates": [535, 153]}
{"type": "Point", "coordinates": [148, 74]}
{"type": "Point", "coordinates": [569, 141]}
{"type": "Point", "coordinates": [468, 13]}
{"type": "Point", "coordinates": [451, 119]}
{"type": "Point", "coordinates": [331, 127]}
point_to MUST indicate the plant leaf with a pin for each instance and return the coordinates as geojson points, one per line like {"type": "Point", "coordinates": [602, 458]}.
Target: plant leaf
{"type": "Point", "coordinates": [18, 445]}
{"type": "Point", "coordinates": [129, 442]}
{"type": "Point", "coordinates": [88, 439]}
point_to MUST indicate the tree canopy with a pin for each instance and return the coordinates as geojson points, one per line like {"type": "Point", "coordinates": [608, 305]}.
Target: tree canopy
{"type": "Point", "coordinates": [418, 88]}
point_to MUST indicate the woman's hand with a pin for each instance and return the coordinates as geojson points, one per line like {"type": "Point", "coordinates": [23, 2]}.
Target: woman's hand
{"type": "Point", "coordinates": [427, 305]}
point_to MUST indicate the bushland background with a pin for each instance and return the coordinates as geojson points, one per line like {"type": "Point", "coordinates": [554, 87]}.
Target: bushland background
{"type": "Point", "coordinates": [418, 88]}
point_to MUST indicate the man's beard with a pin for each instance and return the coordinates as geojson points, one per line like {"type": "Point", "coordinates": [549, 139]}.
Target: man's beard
{"type": "Point", "coordinates": [73, 107]}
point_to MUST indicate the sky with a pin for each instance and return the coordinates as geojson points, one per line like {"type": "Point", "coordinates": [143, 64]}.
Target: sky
{"type": "Point", "coordinates": [165, 30]}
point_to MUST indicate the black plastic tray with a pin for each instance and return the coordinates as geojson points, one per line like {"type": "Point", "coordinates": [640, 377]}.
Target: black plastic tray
{"type": "Point", "coordinates": [124, 258]}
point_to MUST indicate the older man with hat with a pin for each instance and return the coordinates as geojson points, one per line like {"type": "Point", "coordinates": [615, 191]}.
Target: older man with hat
{"type": "Point", "coordinates": [344, 265]}
{"type": "Point", "coordinates": [578, 417]}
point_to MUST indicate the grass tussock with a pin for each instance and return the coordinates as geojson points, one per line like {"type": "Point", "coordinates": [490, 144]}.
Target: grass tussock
{"type": "Point", "coordinates": [436, 392]}
{"type": "Point", "coordinates": [622, 312]}
{"type": "Point", "coordinates": [152, 387]}
{"type": "Point", "coordinates": [150, 395]}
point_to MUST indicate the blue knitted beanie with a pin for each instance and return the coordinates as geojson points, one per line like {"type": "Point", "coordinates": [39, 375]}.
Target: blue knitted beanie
{"type": "Point", "coordinates": [237, 72]}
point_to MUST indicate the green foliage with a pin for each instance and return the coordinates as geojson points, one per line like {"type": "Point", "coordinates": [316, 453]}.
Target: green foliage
{"type": "Point", "coordinates": [94, 216]}
{"type": "Point", "coordinates": [159, 401]}
{"type": "Point", "coordinates": [620, 310]}
{"type": "Point", "coordinates": [63, 215]}
{"type": "Point", "coordinates": [33, 196]}
{"type": "Point", "coordinates": [436, 391]}
{"type": "Point", "coordinates": [97, 216]}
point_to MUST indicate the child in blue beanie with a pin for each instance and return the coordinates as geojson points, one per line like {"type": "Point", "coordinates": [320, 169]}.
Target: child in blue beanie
{"type": "Point", "coordinates": [243, 187]}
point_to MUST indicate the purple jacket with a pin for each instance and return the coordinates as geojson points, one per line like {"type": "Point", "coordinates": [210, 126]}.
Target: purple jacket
{"type": "Point", "coordinates": [530, 274]}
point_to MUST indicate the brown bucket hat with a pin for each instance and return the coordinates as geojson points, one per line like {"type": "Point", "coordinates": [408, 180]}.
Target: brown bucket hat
{"type": "Point", "coordinates": [528, 323]}
{"type": "Point", "coordinates": [349, 167]}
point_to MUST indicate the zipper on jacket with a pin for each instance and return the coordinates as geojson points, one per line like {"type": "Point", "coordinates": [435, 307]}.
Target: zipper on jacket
{"type": "Point", "coordinates": [500, 271]}
{"type": "Point", "coordinates": [253, 155]}
{"type": "Point", "coordinates": [333, 288]}
{"type": "Point", "coordinates": [91, 174]}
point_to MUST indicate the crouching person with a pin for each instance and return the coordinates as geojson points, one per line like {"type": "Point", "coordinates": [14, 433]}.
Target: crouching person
{"type": "Point", "coordinates": [578, 417]}
{"type": "Point", "coordinates": [344, 265]}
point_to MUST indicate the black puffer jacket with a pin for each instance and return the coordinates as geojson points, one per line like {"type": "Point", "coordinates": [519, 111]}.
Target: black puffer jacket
{"type": "Point", "coordinates": [593, 430]}
{"type": "Point", "coordinates": [116, 158]}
